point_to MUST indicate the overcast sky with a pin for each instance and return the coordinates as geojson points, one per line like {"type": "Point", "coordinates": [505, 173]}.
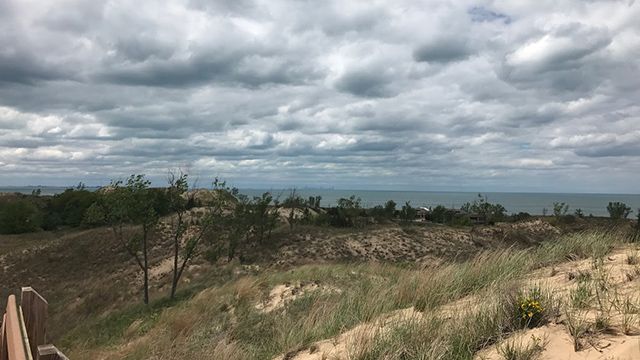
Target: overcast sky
{"type": "Point", "coordinates": [527, 95]}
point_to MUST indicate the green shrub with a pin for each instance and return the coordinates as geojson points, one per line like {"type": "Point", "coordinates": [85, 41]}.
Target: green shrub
{"type": "Point", "coordinates": [68, 207]}
{"type": "Point", "coordinates": [529, 309]}
{"type": "Point", "coordinates": [481, 206]}
{"type": "Point", "coordinates": [95, 215]}
{"type": "Point", "coordinates": [618, 210]}
{"type": "Point", "coordinates": [520, 216]}
{"type": "Point", "coordinates": [19, 216]}
{"type": "Point", "coordinates": [348, 213]}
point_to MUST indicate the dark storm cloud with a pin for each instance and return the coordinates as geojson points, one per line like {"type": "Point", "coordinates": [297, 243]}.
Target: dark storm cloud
{"type": "Point", "coordinates": [365, 83]}
{"type": "Point", "coordinates": [443, 50]}
{"type": "Point", "coordinates": [21, 65]}
{"type": "Point", "coordinates": [611, 151]}
{"type": "Point", "coordinates": [207, 67]}
{"type": "Point", "coordinates": [468, 94]}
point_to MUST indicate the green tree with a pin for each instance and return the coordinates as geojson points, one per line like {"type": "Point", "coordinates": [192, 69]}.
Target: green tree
{"type": "Point", "coordinates": [347, 213]}
{"type": "Point", "coordinates": [130, 204]}
{"type": "Point", "coordinates": [390, 209]}
{"type": "Point", "coordinates": [19, 216]}
{"type": "Point", "coordinates": [407, 213]}
{"type": "Point", "coordinates": [439, 214]}
{"type": "Point", "coordinates": [263, 217]}
{"type": "Point", "coordinates": [481, 206]}
{"type": "Point", "coordinates": [69, 207]}
{"type": "Point", "coordinates": [240, 224]}
{"type": "Point", "coordinates": [95, 215]}
{"type": "Point", "coordinates": [618, 210]}
{"type": "Point", "coordinates": [560, 209]}
{"type": "Point", "coordinates": [177, 203]}
{"type": "Point", "coordinates": [294, 203]}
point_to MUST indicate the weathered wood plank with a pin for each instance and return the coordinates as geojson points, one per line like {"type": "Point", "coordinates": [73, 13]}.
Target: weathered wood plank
{"type": "Point", "coordinates": [4, 355]}
{"type": "Point", "coordinates": [15, 343]}
{"type": "Point", "coordinates": [23, 332]}
{"type": "Point", "coordinates": [34, 310]}
{"type": "Point", "coordinates": [50, 352]}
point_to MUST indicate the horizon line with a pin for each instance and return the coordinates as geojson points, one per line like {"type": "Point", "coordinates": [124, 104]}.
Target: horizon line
{"type": "Point", "coordinates": [345, 189]}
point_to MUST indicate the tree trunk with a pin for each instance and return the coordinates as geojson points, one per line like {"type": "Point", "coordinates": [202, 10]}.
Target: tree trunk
{"type": "Point", "coordinates": [174, 283]}
{"type": "Point", "coordinates": [146, 267]}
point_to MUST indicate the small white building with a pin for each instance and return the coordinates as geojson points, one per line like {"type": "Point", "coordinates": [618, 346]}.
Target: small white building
{"type": "Point", "coordinates": [422, 213]}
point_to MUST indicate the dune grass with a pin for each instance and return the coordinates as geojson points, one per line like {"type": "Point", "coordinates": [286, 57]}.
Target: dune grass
{"type": "Point", "coordinates": [223, 322]}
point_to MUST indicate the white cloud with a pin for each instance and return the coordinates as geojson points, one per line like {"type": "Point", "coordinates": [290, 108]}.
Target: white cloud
{"type": "Point", "coordinates": [354, 93]}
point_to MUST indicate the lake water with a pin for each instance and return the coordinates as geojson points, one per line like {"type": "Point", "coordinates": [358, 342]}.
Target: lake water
{"type": "Point", "coordinates": [533, 203]}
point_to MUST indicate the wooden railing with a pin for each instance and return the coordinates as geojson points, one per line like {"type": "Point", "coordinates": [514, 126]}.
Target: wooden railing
{"type": "Point", "coordinates": [24, 333]}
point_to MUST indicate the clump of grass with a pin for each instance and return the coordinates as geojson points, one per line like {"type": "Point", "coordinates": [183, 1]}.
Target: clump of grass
{"type": "Point", "coordinates": [629, 311]}
{"type": "Point", "coordinates": [403, 341]}
{"type": "Point", "coordinates": [633, 258]}
{"type": "Point", "coordinates": [602, 323]}
{"type": "Point", "coordinates": [582, 295]}
{"type": "Point", "coordinates": [577, 326]}
{"type": "Point", "coordinates": [513, 350]}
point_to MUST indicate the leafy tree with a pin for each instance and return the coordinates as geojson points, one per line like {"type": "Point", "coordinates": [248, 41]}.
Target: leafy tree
{"type": "Point", "coordinates": [187, 231]}
{"type": "Point", "coordinates": [481, 206]}
{"type": "Point", "coordinates": [127, 204]}
{"type": "Point", "coordinates": [95, 215]}
{"type": "Point", "coordinates": [618, 210]}
{"type": "Point", "coordinates": [237, 224]}
{"type": "Point", "coordinates": [390, 209]}
{"type": "Point", "coordinates": [352, 202]}
{"type": "Point", "coordinates": [407, 213]}
{"type": "Point", "coordinates": [560, 209]}
{"type": "Point", "coordinates": [377, 212]}
{"type": "Point", "coordinates": [238, 220]}
{"type": "Point", "coordinates": [579, 213]}
{"type": "Point", "coordinates": [179, 224]}
{"type": "Point", "coordinates": [69, 207]}
{"type": "Point", "coordinates": [347, 212]}
{"type": "Point", "coordinates": [263, 218]}
{"type": "Point", "coordinates": [439, 214]}
{"type": "Point", "coordinates": [386, 212]}
{"type": "Point", "coordinates": [294, 202]}
{"type": "Point", "coordinates": [19, 216]}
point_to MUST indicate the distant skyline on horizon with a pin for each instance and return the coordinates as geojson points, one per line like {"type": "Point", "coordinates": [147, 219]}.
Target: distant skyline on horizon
{"type": "Point", "coordinates": [309, 188]}
{"type": "Point", "coordinates": [459, 95]}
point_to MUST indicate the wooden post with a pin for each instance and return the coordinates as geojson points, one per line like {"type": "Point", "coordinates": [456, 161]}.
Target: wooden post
{"type": "Point", "coordinates": [50, 352]}
{"type": "Point", "coordinates": [4, 354]}
{"type": "Point", "coordinates": [34, 310]}
{"type": "Point", "coordinates": [15, 343]}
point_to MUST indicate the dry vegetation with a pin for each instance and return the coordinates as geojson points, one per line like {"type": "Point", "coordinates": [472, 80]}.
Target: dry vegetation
{"type": "Point", "coordinates": [381, 311]}
{"type": "Point", "coordinates": [386, 292]}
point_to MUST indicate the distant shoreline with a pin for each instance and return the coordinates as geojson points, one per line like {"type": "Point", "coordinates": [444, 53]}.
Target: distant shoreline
{"type": "Point", "coordinates": [514, 202]}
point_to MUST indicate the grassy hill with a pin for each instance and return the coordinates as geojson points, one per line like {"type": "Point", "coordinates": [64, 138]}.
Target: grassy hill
{"type": "Point", "coordinates": [385, 291]}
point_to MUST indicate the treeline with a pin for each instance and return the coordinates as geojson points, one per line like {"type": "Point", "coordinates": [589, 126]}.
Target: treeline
{"type": "Point", "coordinates": [79, 207]}
{"type": "Point", "coordinates": [561, 212]}
{"type": "Point", "coordinates": [75, 207]}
